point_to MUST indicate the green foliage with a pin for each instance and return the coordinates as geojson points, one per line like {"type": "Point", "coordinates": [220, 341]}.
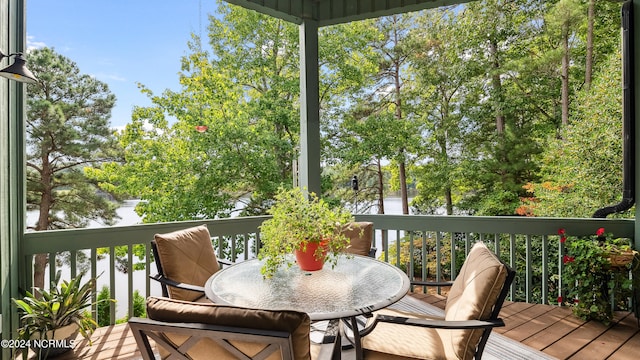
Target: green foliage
{"type": "Point", "coordinates": [583, 169]}
{"type": "Point", "coordinates": [61, 305]}
{"type": "Point", "coordinates": [104, 308]}
{"type": "Point", "coordinates": [297, 220]}
{"type": "Point", "coordinates": [595, 286]}
{"type": "Point", "coordinates": [419, 251]}
{"type": "Point", "coordinates": [68, 130]}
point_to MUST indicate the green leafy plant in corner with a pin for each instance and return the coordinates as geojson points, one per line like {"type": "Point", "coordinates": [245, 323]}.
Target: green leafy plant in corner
{"type": "Point", "coordinates": [298, 220]}
{"type": "Point", "coordinates": [61, 305]}
{"type": "Point", "coordinates": [595, 285]}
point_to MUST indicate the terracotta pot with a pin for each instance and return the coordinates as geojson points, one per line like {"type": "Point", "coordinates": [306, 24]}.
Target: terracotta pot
{"type": "Point", "coordinates": [306, 259]}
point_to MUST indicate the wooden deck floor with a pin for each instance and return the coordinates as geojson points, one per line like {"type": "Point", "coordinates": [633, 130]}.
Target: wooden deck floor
{"type": "Point", "coordinates": [550, 329]}
{"type": "Point", "coordinates": [557, 332]}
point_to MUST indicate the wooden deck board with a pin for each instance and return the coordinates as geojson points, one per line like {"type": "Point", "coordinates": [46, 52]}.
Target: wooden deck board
{"type": "Point", "coordinates": [550, 329]}
{"type": "Point", "coordinates": [530, 327]}
{"type": "Point", "coordinates": [564, 324]}
{"type": "Point", "coordinates": [607, 343]}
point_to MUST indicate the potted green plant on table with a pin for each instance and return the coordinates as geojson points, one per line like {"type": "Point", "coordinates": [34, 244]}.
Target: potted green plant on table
{"type": "Point", "coordinates": [51, 320]}
{"type": "Point", "coordinates": [302, 225]}
{"type": "Point", "coordinates": [596, 274]}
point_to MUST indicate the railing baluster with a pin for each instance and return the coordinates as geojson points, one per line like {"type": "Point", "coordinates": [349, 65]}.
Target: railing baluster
{"type": "Point", "coordinates": [453, 255]}
{"type": "Point", "coordinates": [438, 258]}
{"type": "Point", "coordinates": [545, 270]}
{"type": "Point", "coordinates": [233, 248]}
{"type": "Point", "coordinates": [412, 265]}
{"type": "Point", "coordinates": [147, 269]}
{"type": "Point", "coordinates": [385, 244]}
{"type": "Point", "coordinates": [513, 261]}
{"type": "Point", "coordinates": [112, 284]}
{"type": "Point", "coordinates": [529, 270]}
{"type": "Point", "coordinates": [52, 269]}
{"type": "Point", "coordinates": [398, 247]}
{"type": "Point", "coordinates": [73, 259]}
{"type": "Point", "coordinates": [424, 253]}
{"type": "Point", "coordinates": [130, 278]}
{"type": "Point", "coordinates": [245, 236]}
{"type": "Point", "coordinates": [94, 296]}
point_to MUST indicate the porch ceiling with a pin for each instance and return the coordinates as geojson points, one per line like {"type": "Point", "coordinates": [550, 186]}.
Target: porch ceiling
{"type": "Point", "coordinates": [330, 12]}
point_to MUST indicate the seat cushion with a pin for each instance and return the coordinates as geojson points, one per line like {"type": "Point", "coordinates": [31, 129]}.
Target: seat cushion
{"type": "Point", "coordinates": [171, 310]}
{"type": "Point", "coordinates": [187, 256]}
{"type": "Point", "coordinates": [360, 234]}
{"type": "Point", "coordinates": [472, 297]}
{"type": "Point", "coordinates": [394, 341]}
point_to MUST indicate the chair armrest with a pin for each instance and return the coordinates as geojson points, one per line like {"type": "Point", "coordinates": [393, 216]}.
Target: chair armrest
{"type": "Point", "coordinates": [430, 283]}
{"type": "Point", "coordinates": [225, 262]}
{"type": "Point", "coordinates": [428, 323]}
{"type": "Point", "coordinates": [179, 285]}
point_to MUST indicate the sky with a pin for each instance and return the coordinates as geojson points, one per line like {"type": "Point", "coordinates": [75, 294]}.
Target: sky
{"type": "Point", "coordinates": [121, 42]}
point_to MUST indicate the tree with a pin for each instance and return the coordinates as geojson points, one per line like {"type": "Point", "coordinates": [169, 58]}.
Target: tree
{"type": "Point", "coordinates": [388, 96]}
{"type": "Point", "coordinates": [443, 73]}
{"type": "Point", "coordinates": [228, 135]}
{"type": "Point", "coordinates": [67, 131]}
{"type": "Point", "coordinates": [564, 20]}
{"type": "Point", "coordinates": [582, 172]}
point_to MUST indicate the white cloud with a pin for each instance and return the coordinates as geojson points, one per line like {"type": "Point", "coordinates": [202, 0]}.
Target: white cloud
{"type": "Point", "coordinates": [32, 44]}
{"type": "Point", "coordinates": [109, 77]}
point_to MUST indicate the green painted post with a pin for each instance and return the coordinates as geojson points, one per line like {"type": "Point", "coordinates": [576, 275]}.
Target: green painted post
{"type": "Point", "coordinates": [309, 166]}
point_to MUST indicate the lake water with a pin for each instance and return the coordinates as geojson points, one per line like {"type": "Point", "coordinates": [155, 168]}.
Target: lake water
{"type": "Point", "coordinates": [128, 216]}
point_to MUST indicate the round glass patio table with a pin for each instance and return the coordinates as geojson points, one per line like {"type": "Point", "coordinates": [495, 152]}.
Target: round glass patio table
{"type": "Point", "coordinates": [355, 285]}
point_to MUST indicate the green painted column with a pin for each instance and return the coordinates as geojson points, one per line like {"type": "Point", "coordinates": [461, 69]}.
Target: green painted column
{"type": "Point", "coordinates": [636, 48]}
{"type": "Point", "coordinates": [12, 185]}
{"type": "Point", "coordinates": [309, 162]}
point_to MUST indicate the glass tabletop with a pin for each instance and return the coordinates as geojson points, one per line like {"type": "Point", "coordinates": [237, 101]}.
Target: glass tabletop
{"type": "Point", "coordinates": [356, 285]}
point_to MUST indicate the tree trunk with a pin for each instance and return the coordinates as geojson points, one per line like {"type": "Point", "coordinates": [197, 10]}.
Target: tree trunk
{"type": "Point", "coordinates": [496, 82]}
{"type": "Point", "coordinates": [403, 188]}
{"type": "Point", "coordinates": [449, 200]}
{"type": "Point", "coordinates": [402, 166]}
{"type": "Point", "coordinates": [46, 202]}
{"type": "Point", "coordinates": [39, 266]}
{"type": "Point", "coordinates": [565, 76]}
{"type": "Point", "coordinates": [380, 189]}
{"type": "Point", "coordinates": [589, 60]}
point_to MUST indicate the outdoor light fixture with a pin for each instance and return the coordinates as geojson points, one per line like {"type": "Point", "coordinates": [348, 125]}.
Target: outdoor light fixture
{"type": "Point", "coordinates": [18, 70]}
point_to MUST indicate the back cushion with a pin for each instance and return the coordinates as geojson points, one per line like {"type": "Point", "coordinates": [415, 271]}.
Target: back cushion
{"type": "Point", "coordinates": [360, 234]}
{"type": "Point", "coordinates": [187, 256]}
{"type": "Point", "coordinates": [170, 310]}
{"type": "Point", "coordinates": [472, 297]}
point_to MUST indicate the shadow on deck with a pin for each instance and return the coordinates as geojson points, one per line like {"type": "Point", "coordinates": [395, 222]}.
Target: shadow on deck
{"type": "Point", "coordinates": [550, 329]}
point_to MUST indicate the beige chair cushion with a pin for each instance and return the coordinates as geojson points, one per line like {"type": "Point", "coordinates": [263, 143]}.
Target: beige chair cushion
{"type": "Point", "coordinates": [187, 256]}
{"type": "Point", "coordinates": [360, 234]}
{"type": "Point", "coordinates": [171, 310]}
{"type": "Point", "coordinates": [392, 341]}
{"type": "Point", "coordinates": [472, 297]}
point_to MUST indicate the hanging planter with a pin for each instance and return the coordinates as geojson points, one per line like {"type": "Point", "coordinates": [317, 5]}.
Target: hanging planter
{"type": "Point", "coordinates": [621, 258]}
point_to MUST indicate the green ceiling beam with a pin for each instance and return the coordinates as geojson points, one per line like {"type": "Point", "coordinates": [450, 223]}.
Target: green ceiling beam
{"type": "Point", "coordinates": [331, 12]}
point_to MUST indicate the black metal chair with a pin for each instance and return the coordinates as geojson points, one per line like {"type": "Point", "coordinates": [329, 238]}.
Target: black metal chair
{"type": "Point", "coordinates": [472, 311]}
{"type": "Point", "coordinates": [185, 259]}
{"type": "Point", "coordinates": [187, 330]}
